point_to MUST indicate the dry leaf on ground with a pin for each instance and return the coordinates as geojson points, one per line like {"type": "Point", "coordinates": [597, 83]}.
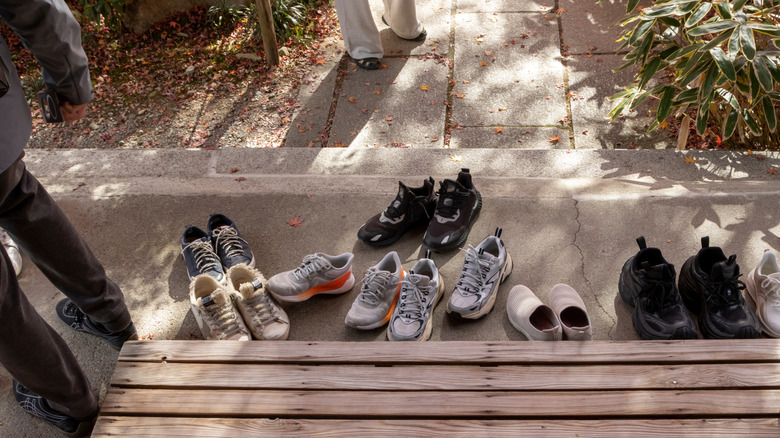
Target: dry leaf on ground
{"type": "Point", "coordinates": [295, 222]}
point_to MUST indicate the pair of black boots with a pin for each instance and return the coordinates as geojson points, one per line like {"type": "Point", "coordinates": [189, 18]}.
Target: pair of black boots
{"type": "Point", "coordinates": [448, 214]}
{"type": "Point", "coordinates": [709, 286]}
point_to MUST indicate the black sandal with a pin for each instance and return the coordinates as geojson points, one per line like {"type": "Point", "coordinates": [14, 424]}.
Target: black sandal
{"type": "Point", "coordinates": [368, 63]}
{"type": "Point", "coordinates": [420, 37]}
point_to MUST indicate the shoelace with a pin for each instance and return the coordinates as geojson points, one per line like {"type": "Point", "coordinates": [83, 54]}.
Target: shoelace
{"type": "Point", "coordinates": [659, 293]}
{"type": "Point", "coordinates": [474, 272]}
{"type": "Point", "coordinates": [772, 286]}
{"type": "Point", "coordinates": [718, 292]}
{"type": "Point", "coordinates": [458, 199]}
{"type": "Point", "coordinates": [312, 264]}
{"type": "Point", "coordinates": [205, 258]}
{"type": "Point", "coordinates": [229, 240]}
{"type": "Point", "coordinates": [264, 311]}
{"type": "Point", "coordinates": [414, 298]}
{"type": "Point", "coordinates": [373, 283]}
{"type": "Point", "coordinates": [222, 319]}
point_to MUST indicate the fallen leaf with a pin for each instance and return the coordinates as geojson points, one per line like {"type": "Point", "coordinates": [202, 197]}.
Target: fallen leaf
{"type": "Point", "coordinates": [488, 53]}
{"type": "Point", "coordinates": [424, 87]}
{"type": "Point", "coordinates": [749, 152]}
{"type": "Point", "coordinates": [585, 132]}
{"type": "Point", "coordinates": [378, 92]}
{"type": "Point", "coordinates": [554, 140]}
{"type": "Point", "coordinates": [352, 99]}
{"type": "Point", "coordinates": [560, 11]}
{"type": "Point", "coordinates": [663, 125]}
{"type": "Point", "coordinates": [456, 158]}
{"type": "Point", "coordinates": [234, 170]}
{"type": "Point", "coordinates": [79, 185]}
{"type": "Point", "coordinates": [689, 159]}
{"type": "Point", "coordinates": [499, 130]}
{"type": "Point", "coordinates": [483, 63]}
{"type": "Point", "coordinates": [295, 222]}
{"type": "Point", "coordinates": [460, 95]}
{"type": "Point", "coordinates": [240, 178]}
{"type": "Point", "coordinates": [339, 145]}
{"type": "Point", "coordinates": [772, 171]}
{"type": "Point", "coordinates": [501, 109]}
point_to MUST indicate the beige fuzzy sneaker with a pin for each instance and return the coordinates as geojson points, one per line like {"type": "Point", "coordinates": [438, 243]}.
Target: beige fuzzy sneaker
{"type": "Point", "coordinates": [265, 320]}
{"type": "Point", "coordinates": [214, 311]}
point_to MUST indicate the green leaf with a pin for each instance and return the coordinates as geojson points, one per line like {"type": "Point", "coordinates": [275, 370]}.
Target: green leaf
{"type": "Point", "coordinates": [641, 29]}
{"type": "Point", "coordinates": [728, 97]}
{"type": "Point", "coordinates": [644, 96]}
{"type": "Point", "coordinates": [624, 93]}
{"type": "Point", "coordinates": [644, 49]}
{"type": "Point", "coordinates": [631, 5]}
{"type": "Point", "coordinates": [734, 42]}
{"type": "Point", "coordinates": [687, 96]}
{"type": "Point", "coordinates": [684, 51]}
{"type": "Point", "coordinates": [619, 108]}
{"type": "Point", "coordinates": [755, 86]}
{"type": "Point", "coordinates": [653, 126]}
{"type": "Point", "coordinates": [708, 83]}
{"type": "Point", "coordinates": [723, 10]}
{"type": "Point", "coordinates": [701, 119]}
{"type": "Point", "coordinates": [669, 21]}
{"type": "Point", "coordinates": [763, 74]}
{"type": "Point", "coordinates": [695, 73]}
{"type": "Point", "coordinates": [658, 11]}
{"type": "Point", "coordinates": [730, 125]}
{"type": "Point", "coordinates": [751, 122]}
{"type": "Point", "coordinates": [738, 5]}
{"type": "Point", "coordinates": [718, 40]}
{"type": "Point", "coordinates": [649, 70]}
{"type": "Point", "coordinates": [724, 63]}
{"type": "Point", "coordinates": [747, 42]}
{"type": "Point", "coordinates": [665, 105]}
{"type": "Point", "coordinates": [774, 70]}
{"type": "Point", "coordinates": [698, 14]}
{"type": "Point", "coordinates": [717, 26]}
{"type": "Point", "coordinates": [769, 113]}
{"type": "Point", "coordinates": [687, 7]}
{"type": "Point", "coordinates": [765, 29]}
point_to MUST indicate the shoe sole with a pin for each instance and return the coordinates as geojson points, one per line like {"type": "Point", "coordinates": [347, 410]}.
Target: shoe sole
{"type": "Point", "coordinates": [342, 284]}
{"type": "Point", "coordinates": [492, 299]}
{"type": "Point", "coordinates": [382, 321]}
{"type": "Point", "coordinates": [519, 328]}
{"type": "Point", "coordinates": [428, 324]}
{"type": "Point", "coordinates": [462, 240]}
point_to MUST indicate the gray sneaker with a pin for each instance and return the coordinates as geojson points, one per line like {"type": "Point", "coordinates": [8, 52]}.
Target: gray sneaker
{"type": "Point", "coordinates": [214, 311]}
{"type": "Point", "coordinates": [318, 274]}
{"type": "Point", "coordinates": [264, 319]}
{"type": "Point", "coordinates": [421, 289]}
{"type": "Point", "coordinates": [485, 268]}
{"type": "Point", "coordinates": [378, 295]}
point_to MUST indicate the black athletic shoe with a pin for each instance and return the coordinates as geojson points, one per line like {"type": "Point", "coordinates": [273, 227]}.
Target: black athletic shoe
{"type": "Point", "coordinates": [199, 255]}
{"type": "Point", "coordinates": [70, 314]}
{"type": "Point", "coordinates": [457, 209]}
{"type": "Point", "coordinates": [710, 286]}
{"type": "Point", "coordinates": [37, 406]}
{"type": "Point", "coordinates": [411, 207]}
{"type": "Point", "coordinates": [230, 246]}
{"type": "Point", "coordinates": [647, 283]}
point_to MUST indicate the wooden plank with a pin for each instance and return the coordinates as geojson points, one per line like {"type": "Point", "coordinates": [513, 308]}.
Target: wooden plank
{"type": "Point", "coordinates": [444, 377]}
{"type": "Point", "coordinates": [409, 404]}
{"type": "Point", "coordinates": [455, 352]}
{"type": "Point", "coordinates": [252, 427]}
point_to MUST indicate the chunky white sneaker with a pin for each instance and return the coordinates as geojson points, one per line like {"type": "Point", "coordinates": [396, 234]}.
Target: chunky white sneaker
{"type": "Point", "coordinates": [378, 295]}
{"type": "Point", "coordinates": [762, 293]}
{"type": "Point", "coordinates": [318, 274]}
{"type": "Point", "coordinates": [484, 269]}
{"type": "Point", "coordinates": [264, 319]}
{"type": "Point", "coordinates": [421, 289]}
{"type": "Point", "coordinates": [214, 311]}
{"type": "Point", "coordinates": [12, 250]}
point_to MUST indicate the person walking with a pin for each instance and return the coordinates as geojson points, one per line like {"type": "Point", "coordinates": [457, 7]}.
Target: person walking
{"type": "Point", "coordinates": [361, 35]}
{"type": "Point", "coordinates": [47, 380]}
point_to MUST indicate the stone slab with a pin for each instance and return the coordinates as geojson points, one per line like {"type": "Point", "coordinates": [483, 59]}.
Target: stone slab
{"type": "Point", "coordinates": [510, 138]}
{"type": "Point", "coordinates": [591, 27]}
{"type": "Point", "coordinates": [435, 16]}
{"type": "Point", "coordinates": [504, 5]}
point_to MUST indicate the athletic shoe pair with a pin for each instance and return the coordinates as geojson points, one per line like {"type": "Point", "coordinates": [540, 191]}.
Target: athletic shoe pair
{"type": "Point", "coordinates": [566, 314]}
{"type": "Point", "coordinates": [215, 251]}
{"type": "Point", "coordinates": [709, 286]}
{"type": "Point", "coordinates": [448, 214]}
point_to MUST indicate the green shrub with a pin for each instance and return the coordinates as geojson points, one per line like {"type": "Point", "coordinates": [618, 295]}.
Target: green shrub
{"type": "Point", "coordinates": [226, 14]}
{"type": "Point", "coordinates": [715, 62]}
{"type": "Point", "coordinates": [110, 11]}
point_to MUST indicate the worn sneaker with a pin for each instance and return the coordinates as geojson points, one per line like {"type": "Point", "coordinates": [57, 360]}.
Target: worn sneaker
{"type": "Point", "coordinates": [647, 283]}
{"type": "Point", "coordinates": [457, 209]}
{"type": "Point", "coordinates": [37, 406]}
{"type": "Point", "coordinates": [230, 246]}
{"type": "Point", "coordinates": [70, 314]}
{"type": "Point", "coordinates": [484, 269]}
{"type": "Point", "coordinates": [411, 207]}
{"type": "Point", "coordinates": [12, 250]}
{"type": "Point", "coordinates": [214, 311]}
{"type": "Point", "coordinates": [710, 286]}
{"type": "Point", "coordinates": [264, 319]}
{"type": "Point", "coordinates": [378, 295]}
{"type": "Point", "coordinates": [318, 274]}
{"type": "Point", "coordinates": [199, 255]}
{"type": "Point", "coordinates": [421, 290]}
{"type": "Point", "coordinates": [762, 293]}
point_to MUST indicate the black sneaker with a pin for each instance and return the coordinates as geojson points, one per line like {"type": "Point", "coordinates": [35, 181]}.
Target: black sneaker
{"type": "Point", "coordinates": [199, 255]}
{"type": "Point", "coordinates": [37, 406]}
{"type": "Point", "coordinates": [647, 283]}
{"type": "Point", "coordinates": [411, 207]}
{"type": "Point", "coordinates": [230, 246]}
{"type": "Point", "coordinates": [457, 209]}
{"type": "Point", "coordinates": [70, 314]}
{"type": "Point", "coordinates": [710, 287]}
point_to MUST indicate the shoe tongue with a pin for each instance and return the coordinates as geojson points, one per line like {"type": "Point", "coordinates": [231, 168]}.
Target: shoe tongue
{"type": "Point", "coordinates": [725, 269]}
{"type": "Point", "coordinates": [418, 279]}
{"type": "Point", "coordinates": [661, 272]}
{"type": "Point", "coordinates": [216, 298]}
{"type": "Point", "coordinates": [249, 289]}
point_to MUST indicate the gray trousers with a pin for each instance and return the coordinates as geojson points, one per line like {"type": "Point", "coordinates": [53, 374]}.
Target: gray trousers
{"type": "Point", "coordinates": [31, 350]}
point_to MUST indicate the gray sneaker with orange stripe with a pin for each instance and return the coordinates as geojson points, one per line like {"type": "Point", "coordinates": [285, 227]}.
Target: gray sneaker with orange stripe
{"type": "Point", "coordinates": [318, 274]}
{"type": "Point", "coordinates": [378, 296]}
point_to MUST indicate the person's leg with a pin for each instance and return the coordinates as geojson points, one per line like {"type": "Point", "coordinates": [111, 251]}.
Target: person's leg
{"type": "Point", "coordinates": [41, 229]}
{"type": "Point", "coordinates": [358, 29]}
{"type": "Point", "coordinates": [401, 16]}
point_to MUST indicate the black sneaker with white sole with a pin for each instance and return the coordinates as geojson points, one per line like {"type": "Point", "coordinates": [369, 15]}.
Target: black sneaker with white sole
{"type": "Point", "coordinates": [411, 207]}
{"type": "Point", "coordinates": [199, 255]}
{"type": "Point", "coordinates": [228, 243]}
{"type": "Point", "coordinates": [37, 406]}
{"type": "Point", "coordinates": [457, 210]}
{"type": "Point", "coordinates": [70, 314]}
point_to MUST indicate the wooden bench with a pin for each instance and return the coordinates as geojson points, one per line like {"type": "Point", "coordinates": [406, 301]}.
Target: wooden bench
{"type": "Point", "coordinates": [596, 388]}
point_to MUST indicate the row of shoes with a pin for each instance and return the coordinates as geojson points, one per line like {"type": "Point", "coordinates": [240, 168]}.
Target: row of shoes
{"type": "Point", "coordinates": [447, 213]}
{"type": "Point", "coordinates": [708, 287]}
{"type": "Point", "coordinates": [228, 296]}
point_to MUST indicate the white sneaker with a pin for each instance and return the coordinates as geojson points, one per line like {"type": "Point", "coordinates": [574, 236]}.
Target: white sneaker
{"type": "Point", "coordinates": [535, 320]}
{"type": "Point", "coordinates": [762, 293]}
{"type": "Point", "coordinates": [264, 319]}
{"type": "Point", "coordinates": [214, 311]}
{"type": "Point", "coordinates": [318, 274]}
{"type": "Point", "coordinates": [378, 296]}
{"type": "Point", "coordinates": [421, 290]}
{"type": "Point", "coordinates": [12, 250]}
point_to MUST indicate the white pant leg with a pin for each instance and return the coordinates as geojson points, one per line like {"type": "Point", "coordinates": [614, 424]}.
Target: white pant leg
{"type": "Point", "coordinates": [401, 16]}
{"type": "Point", "coordinates": [358, 29]}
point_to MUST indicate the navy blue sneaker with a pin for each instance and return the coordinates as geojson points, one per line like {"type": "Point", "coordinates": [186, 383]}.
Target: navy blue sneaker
{"type": "Point", "coordinates": [230, 246]}
{"type": "Point", "coordinates": [199, 255]}
{"type": "Point", "coordinates": [70, 314]}
{"type": "Point", "coordinates": [37, 406]}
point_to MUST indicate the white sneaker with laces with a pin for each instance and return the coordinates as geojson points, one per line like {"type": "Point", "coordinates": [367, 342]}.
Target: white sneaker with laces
{"type": "Point", "coordinates": [318, 274]}
{"type": "Point", "coordinates": [264, 319]}
{"type": "Point", "coordinates": [421, 290]}
{"type": "Point", "coordinates": [12, 250]}
{"type": "Point", "coordinates": [214, 311]}
{"type": "Point", "coordinates": [762, 293]}
{"type": "Point", "coordinates": [378, 296]}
